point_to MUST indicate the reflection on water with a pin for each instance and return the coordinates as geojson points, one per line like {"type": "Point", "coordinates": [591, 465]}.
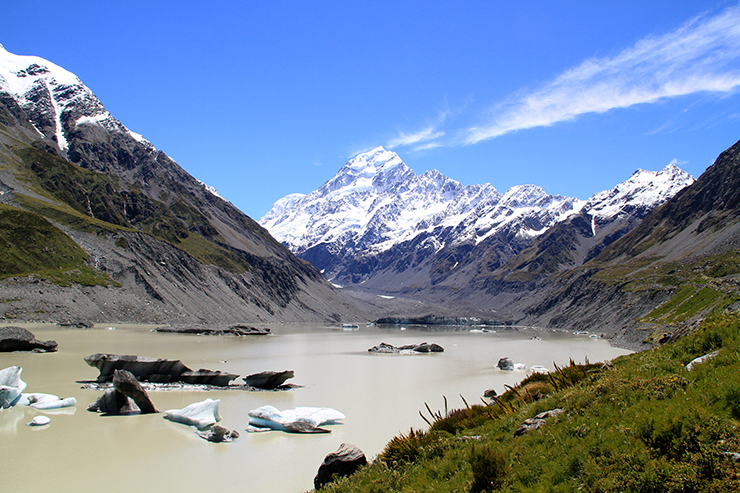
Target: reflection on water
{"type": "Point", "coordinates": [380, 394]}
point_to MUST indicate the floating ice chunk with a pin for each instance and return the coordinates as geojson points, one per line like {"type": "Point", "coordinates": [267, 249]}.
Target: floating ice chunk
{"type": "Point", "coordinates": [39, 421]}
{"type": "Point", "coordinates": [11, 386]}
{"type": "Point", "coordinates": [45, 401]}
{"type": "Point", "coordinates": [300, 419]}
{"type": "Point", "coordinates": [201, 414]}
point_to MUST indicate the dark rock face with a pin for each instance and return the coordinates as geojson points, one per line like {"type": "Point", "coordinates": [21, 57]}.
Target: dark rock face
{"type": "Point", "coordinates": [345, 461]}
{"type": "Point", "coordinates": [268, 379]}
{"type": "Point", "coordinates": [113, 402]}
{"type": "Point", "coordinates": [125, 383]}
{"type": "Point", "coordinates": [19, 339]}
{"type": "Point", "coordinates": [126, 397]}
{"type": "Point", "coordinates": [155, 370]}
{"type": "Point", "coordinates": [424, 347]}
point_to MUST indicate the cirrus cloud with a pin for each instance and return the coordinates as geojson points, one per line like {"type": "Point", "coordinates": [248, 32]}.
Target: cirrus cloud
{"type": "Point", "coordinates": [700, 56]}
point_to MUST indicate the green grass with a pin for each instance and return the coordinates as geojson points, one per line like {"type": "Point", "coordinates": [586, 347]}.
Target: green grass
{"type": "Point", "coordinates": [95, 203]}
{"type": "Point", "coordinates": [32, 245]}
{"type": "Point", "coordinates": [645, 425]}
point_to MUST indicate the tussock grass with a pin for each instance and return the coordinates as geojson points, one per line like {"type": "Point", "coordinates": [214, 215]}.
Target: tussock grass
{"type": "Point", "coordinates": [644, 423]}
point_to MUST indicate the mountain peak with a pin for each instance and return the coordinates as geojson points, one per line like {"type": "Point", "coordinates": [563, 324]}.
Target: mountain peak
{"type": "Point", "coordinates": [642, 191]}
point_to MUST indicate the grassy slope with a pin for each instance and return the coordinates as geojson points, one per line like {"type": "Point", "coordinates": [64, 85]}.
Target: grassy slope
{"type": "Point", "coordinates": [32, 245]}
{"type": "Point", "coordinates": [647, 425]}
{"type": "Point", "coordinates": [94, 202]}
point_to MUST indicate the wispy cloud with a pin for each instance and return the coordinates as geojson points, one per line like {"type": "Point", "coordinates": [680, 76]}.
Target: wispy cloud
{"type": "Point", "coordinates": [699, 56]}
{"type": "Point", "coordinates": [423, 136]}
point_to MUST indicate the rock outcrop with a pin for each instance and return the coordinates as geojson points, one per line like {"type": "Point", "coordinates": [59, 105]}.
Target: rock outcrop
{"type": "Point", "coordinates": [268, 380]}
{"type": "Point", "coordinates": [19, 339]}
{"type": "Point", "coordinates": [344, 462]}
{"type": "Point", "coordinates": [126, 397]}
{"type": "Point", "coordinates": [424, 347]}
{"type": "Point", "coordinates": [233, 330]}
{"type": "Point", "coordinates": [534, 423]}
{"type": "Point", "coordinates": [155, 370]}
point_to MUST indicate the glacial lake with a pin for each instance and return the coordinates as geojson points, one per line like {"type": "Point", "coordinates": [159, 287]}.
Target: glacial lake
{"type": "Point", "coordinates": [380, 394]}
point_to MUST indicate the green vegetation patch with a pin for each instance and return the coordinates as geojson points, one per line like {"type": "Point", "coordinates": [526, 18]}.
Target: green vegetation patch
{"type": "Point", "coordinates": [32, 245]}
{"type": "Point", "coordinates": [96, 203]}
{"type": "Point", "coordinates": [643, 423]}
{"type": "Point", "coordinates": [211, 254]}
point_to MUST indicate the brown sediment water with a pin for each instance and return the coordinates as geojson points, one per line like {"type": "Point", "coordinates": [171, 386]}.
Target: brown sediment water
{"type": "Point", "coordinates": [380, 394]}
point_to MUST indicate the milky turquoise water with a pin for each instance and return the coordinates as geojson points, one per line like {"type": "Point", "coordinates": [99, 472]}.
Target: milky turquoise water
{"type": "Point", "coordinates": [380, 394]}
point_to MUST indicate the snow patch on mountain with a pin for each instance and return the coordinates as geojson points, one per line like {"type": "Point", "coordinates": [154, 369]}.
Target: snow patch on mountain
{"type": "Point", "coordinates": [643, 191]}
{"type": "Point", "coordinates": [376, 202]}
{"type": "Point", "coordinates": [42, 86]}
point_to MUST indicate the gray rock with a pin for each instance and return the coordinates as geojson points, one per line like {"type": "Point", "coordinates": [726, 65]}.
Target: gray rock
{"type": "Point", "coordinates": [268, 379]}
{"type": "Point", "coordinates": [701, 359]}
{"type": "Point", "coordinates": [345, 461]}
{"type": "Point", "coordinates": [218, 434]}
{"type": "Point", "coordinates": [125, 383]}
{"type": "Point", "coordinates": [19, 339]}
{"type": "Point", "coordinates": [534, 423]}
{"type": "Point", "coordinates": [424, 347]}
{"type": "Point", "coordinates": [505, 364]}
{"type": "Point", "coordinates": [140, 366]}
{"type": "Point", "coordinates": [113, 402]}
{"type": "Point", "coordinates": [233, 330]}
{"type": "Point", "coordinates": [155, 370]}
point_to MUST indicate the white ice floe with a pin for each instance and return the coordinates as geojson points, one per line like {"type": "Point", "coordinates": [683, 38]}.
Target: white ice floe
{"type": "Point", "coordinates": [45, 401]}
{"type": "Point", "coordinates": [201, 414]}
{"type": "Point", "coordinates": [39, 421]}
{"type": "Point", "coordinates": [11, 386]}
{"type": "Point", "coordinates": [269, 417]}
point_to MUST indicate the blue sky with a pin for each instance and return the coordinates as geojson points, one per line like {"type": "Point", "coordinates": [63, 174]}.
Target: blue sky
{"type": "Point", "coordinates": [265, 98]}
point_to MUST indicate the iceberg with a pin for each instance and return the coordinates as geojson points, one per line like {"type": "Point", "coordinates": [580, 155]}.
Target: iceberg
{"type": "Point", "coordinates": [39, 421]}
{"type": "Point", "coordinates": [11, 386]}
{"type": "Point", "coordinates": [298, 420]}
{"type": "Point", "coordinates": [200, 414]}
{"type": "Point", "coordinates": [45, 401]}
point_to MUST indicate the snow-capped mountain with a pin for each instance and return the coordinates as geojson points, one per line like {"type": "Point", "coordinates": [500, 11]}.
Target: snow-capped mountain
{"type": "Point", "coordinates": [169, 240]}
{"type": "Point", "coordinates": [56, 99]}
{"type": "Point", "coordinates": [377, 216]}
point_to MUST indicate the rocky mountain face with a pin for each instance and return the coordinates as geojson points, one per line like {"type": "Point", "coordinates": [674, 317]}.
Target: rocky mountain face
{"type": "Point", "coordinates": [378, 225]}
{"type": "Point", "coordinates": [680, 264]}
{"type": "Point", "coordinates": [170, 248]}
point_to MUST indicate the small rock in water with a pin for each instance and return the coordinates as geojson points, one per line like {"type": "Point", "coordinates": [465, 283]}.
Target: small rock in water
{"type": "Point", "coordinates": [219, 434]}
{"type": "Point", "coordinates": [39, 421]}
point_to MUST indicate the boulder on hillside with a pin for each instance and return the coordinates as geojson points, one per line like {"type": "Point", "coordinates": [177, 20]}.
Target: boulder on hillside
{"type": "Point", "coordinates": [19, 339]}
{"type": "Point", "coordinates": [534, 423]}
{"type": "Point", "coordinates": [268, 380]}
{"type": "Point", "coordinates": [345, 461]}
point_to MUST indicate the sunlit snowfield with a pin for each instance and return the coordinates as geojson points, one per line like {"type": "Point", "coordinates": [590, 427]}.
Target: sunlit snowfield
{"type": "Point", "coordinates": [380, 394]}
